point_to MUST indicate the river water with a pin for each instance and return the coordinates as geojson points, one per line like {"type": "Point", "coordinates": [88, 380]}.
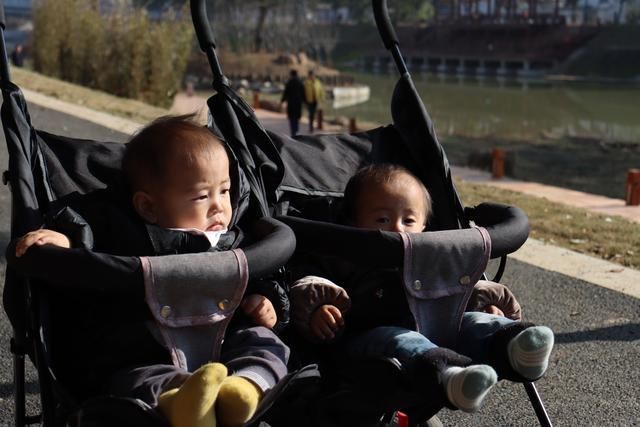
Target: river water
{"type": "Point", "coordinates": [574, 135]}
{"type": "Point", "coordinates": [512, 109]}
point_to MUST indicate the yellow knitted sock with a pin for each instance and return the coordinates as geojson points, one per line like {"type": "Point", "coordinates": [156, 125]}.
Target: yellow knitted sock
{"type": "Point", "coordinates": [192, 405]}
{"type": "Point", "coordinates": [237, 401]}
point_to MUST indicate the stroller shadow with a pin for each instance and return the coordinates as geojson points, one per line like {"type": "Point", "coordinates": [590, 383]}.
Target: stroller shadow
{"type": "Point", "coordinates": [627, 332]}
{"type": "Point", "coordinates": [7, 389]}
{"type": "Point", "coordinates": [4, 242]}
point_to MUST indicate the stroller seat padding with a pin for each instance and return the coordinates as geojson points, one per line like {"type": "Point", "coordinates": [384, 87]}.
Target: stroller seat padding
{"type": "Point", "coordinates": [192, 298]}
{"type": "Point", "coordinates": [439, 272]}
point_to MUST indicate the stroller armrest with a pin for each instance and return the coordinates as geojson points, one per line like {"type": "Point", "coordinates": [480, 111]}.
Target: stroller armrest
{"type": "Point", "coordinates": [275, 247]}
{"type": "Point", "coordinates": [79, 268]}
{"type": "Point", "coordinates": [508, 226]}
{"type": "Point", "coordinates": [85, 269]}
{"type": "Point", "coordinates": [384, 249]}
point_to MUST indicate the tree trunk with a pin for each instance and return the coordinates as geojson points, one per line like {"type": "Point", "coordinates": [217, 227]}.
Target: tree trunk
{"type": "Point", "coordinates": [263, 11]}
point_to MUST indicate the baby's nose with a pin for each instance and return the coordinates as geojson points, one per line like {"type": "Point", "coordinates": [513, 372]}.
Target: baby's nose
{"type": "Point", "coordinates": [397, 226]}
{"type": "Point", "coordinates": [214, 205]}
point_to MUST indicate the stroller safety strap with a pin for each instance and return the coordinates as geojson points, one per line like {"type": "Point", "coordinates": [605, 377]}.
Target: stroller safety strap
{"type": "Point", "coordinates": [192, 298]}
{"type": "Point", "coordinates": [440, 270]}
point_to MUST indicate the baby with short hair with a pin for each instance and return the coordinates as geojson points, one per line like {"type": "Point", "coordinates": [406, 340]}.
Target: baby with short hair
{"type": "Point", "coordinates": [179, 179]}
{"type": "Point", "coordinates": [388, 197]}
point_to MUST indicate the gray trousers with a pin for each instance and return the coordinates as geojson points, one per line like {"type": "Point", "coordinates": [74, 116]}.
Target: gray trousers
{"type": "Point", "coordinates": [253, 352]}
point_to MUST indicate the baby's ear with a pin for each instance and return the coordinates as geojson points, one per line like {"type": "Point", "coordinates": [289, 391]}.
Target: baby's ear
{"type": "Point", "coordinates": [143, 204]}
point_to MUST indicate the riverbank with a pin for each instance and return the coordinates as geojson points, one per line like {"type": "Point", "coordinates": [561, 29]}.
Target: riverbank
{"type": "Point", "coordinates": [582, 164]}
{"type": "Point", "coordinates": [580, 136]}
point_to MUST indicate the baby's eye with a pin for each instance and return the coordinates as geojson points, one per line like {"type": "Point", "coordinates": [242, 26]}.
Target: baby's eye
{"type": "Point", "coordinates": [225, 191]}
{"type": "Point", "coordinates": [382, 220]}
{"type": "Point", "coordinates": [201, 197]}
{"type": "Point", "coordinates": [409, 221]}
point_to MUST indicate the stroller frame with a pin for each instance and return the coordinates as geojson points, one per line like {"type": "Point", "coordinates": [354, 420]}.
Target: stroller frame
{"type": "Point", "coordinates": [391, 43]}
{"type": "Point", "coordinates": [28, 335]}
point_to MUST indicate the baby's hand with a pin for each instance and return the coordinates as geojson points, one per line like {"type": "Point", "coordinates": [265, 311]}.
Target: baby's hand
{"type": "Point", "coordinates": [492, 309]}
{"type": "Point", "coordinates": [39, 238]}
{"type": "Point", "coordinates": [260, 310]}
{"type": "Point", "coordinates": [326, 321]}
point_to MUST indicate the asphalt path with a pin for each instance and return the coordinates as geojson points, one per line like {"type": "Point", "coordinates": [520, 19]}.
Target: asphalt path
{"type": "Point", "coordinates": [594, 375]}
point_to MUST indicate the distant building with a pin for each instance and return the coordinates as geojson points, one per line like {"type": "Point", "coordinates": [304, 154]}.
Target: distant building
{"type": "Point", "coordinates": [325, 13]}
{"type": "Point", "coordinates": [17, 7]}
{"type": "Point", "coordinates": [575, 12]}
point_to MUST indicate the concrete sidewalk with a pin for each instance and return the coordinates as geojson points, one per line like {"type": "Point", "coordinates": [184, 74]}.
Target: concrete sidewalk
{"type": "Point", "coordinates": [549, 257]}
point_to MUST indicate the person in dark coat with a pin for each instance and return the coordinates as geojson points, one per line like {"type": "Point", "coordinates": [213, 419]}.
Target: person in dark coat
{"type": "Point", "coordinates": [17, 56]}
{"type": "Point", "coordinates": [293, 95]}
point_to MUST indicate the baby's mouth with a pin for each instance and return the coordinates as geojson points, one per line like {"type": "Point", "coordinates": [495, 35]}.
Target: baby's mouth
{"type": "Point", "coordinates": [216, 226]}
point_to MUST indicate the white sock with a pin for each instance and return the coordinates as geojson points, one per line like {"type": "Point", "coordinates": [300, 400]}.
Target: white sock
{"type": "Point", "coordinates": [467, 387]}
{"type": "Point", "coordinates": [529, 351]}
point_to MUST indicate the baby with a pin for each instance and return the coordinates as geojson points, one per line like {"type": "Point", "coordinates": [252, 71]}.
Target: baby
{"type": "Point", "coordinates": [179, 179]}
{"type": "Point", "coordinates": [375, 321]}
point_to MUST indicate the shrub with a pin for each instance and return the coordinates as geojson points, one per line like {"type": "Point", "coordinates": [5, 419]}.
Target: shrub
{"type": "Point", "coordinates": [121, 51]}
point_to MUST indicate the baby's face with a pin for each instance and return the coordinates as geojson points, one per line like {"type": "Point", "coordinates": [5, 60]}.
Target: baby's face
{"type": "Point", "coordinates": [196, 196]}
{"type": "Point", "coordinates": [397, 205]}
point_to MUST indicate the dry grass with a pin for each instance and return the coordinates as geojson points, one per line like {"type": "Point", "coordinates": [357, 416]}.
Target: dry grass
{"type": "Point", "coordinates": [612, 238]}
{"type": "Point", "coordinates": [134, 110]}
{"type": "Point", "coordinates": [608, 237]}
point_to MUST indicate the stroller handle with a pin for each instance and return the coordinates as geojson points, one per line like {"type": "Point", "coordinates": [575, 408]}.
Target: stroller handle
{"type": "Point", "coordinates": [388, 34]}
{"type": "Point", "coordinates": [201, 24]}
{"type": "Point", "coordinates": [383, 22]}
{"type": "Point", "coordinates": [5, 76]}
{"type": "Point", "coordinates": [206, 41]}
{"type": "Point", "coordinates": [2, 18]}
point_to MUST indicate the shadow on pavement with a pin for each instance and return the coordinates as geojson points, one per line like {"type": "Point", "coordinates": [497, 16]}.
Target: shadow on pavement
{"type": "Point", "coordinates": [627, 332]}
{"type": "Point", "coordinates": [4, 241]}
{"type": "Point", "coordinates": [6, 389]}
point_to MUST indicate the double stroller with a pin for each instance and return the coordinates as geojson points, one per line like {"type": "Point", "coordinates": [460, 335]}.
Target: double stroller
{"type": "Point", "coordinates": [300, 181]}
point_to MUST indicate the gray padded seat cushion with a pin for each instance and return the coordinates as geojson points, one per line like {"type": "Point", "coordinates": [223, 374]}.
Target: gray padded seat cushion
{"type": "Point", "coordinates": [192, 298]}
{"type": "Point", "coordinates": [440, 270]}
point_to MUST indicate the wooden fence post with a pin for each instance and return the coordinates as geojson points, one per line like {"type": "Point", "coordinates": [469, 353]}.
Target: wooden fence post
{"type": "Point", "coordinates": [497, 163]}
{"type": "Point", "coordinates": [632, 190]}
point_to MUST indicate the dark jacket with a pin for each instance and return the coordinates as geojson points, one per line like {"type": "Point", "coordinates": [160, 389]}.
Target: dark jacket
{"type": "Point", "coordinates": [375, 296]}
{"type": "Point", "coordinates": [294, 96]}
{"type": "Point", "coordinates": [371, 297]}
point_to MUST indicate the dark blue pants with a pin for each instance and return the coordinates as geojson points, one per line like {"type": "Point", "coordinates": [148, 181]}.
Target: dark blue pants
{"type": "Point", "coordinates": [312, 114]}
{"type": "Point", "coordinates": [294, 123]}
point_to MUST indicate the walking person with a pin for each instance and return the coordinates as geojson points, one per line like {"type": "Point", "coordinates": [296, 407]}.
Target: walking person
{"type": "Point", "coordinates": [293, 95]}
{"type": "Point", "coordinates": [17, 56]}
{"type": "Point", "coordinates": [313, 94]}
